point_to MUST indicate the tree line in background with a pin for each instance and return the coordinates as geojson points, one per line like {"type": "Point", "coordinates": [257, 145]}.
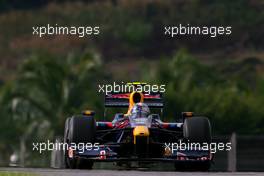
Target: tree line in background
{"type": "Point", "coordinates": [134, 26]}
{"type": "Point", "coordinates": [53, 84]}
{"type": "Point", "coordinates": [47, 90]}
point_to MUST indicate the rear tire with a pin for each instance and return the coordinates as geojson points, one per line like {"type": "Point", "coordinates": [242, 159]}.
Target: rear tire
{"type": "Point", "coordinates": [79, 129]}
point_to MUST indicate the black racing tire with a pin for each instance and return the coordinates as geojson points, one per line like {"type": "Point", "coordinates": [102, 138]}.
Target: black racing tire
{"type": "Point", "coordinates": [80, 129]}
{"type": "Point", "coordinates": [198, 167]}
{"type": "Point", "coordinates": [197, 129]}
{"type": "Point", "coordinates": [66, 130]}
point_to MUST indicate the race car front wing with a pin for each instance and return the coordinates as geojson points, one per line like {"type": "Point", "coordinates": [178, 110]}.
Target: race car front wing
{"type": "Point", "coordinates": [104, 154]}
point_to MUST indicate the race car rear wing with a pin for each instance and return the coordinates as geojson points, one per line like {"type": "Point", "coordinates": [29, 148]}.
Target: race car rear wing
{"type": "Point", "coordinates": [153, 100]}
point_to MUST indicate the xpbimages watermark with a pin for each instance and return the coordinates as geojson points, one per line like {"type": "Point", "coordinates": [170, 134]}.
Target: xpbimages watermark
{"type": "Point", "coordinates": [130, 87]}
{"type": "Point", "coordinates": [212, 147]}
{"type": "Point", "coordinates": [185, 30]}
{"type": "Point", "coordinates": [80, 31]}
{"type": "Point", "coordinates": [50, 146]}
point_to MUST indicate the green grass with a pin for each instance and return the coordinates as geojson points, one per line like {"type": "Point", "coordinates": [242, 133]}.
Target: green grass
{"type": "Point", "coordinates": [7, 173]}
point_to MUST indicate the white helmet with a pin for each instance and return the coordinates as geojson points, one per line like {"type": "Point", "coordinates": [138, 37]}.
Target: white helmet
{"type": "Point", "coordinates": [140, 110]}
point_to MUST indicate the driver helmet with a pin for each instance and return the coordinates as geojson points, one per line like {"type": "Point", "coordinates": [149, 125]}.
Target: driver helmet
{"type": "Point", "coordinates": [140, 110]}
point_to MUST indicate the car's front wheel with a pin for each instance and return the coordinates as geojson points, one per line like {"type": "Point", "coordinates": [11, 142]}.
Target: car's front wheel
{"type": "Point", "coordinates": [78, 129]}
{"type": "Point", "coordinates": [196, 130]}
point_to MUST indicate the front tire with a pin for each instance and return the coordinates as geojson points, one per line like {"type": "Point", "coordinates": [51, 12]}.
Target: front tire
{"type": "Point", "coordinates": [66, 131]}
{"type": "Point", "coordinates": [196, 130]}
{"type": "Point", "coordinates": [79, 129]}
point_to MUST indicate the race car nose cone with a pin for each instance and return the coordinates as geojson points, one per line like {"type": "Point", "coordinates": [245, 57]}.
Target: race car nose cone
{"type": "Point", "coordinates": [141, 140]}
{"type": "Point", "coordinates": [141, 131]}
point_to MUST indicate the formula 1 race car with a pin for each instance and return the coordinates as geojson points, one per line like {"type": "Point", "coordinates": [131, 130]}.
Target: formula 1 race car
{"type": "Point", "coordinates": [137, 136]}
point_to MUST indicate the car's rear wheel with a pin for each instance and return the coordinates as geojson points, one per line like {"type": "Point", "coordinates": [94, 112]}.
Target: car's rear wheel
{"type": "Point", "coordinates": [196, 130]}
{"type": "Point", "coordinates": [79, 129]}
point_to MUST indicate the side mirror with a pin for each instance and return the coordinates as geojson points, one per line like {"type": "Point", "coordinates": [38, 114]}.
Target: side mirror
{"type": "Point", "coordinates": [88, 113]}
{"type": "Point", "coordinates": [187, 115]}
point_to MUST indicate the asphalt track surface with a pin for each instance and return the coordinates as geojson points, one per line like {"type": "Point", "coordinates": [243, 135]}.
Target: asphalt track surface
{"type": "Point", "coordinates": [64, 172]}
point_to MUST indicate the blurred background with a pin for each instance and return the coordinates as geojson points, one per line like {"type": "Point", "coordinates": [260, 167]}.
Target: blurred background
{"type": "Point", "coordinates": [45, 80]}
